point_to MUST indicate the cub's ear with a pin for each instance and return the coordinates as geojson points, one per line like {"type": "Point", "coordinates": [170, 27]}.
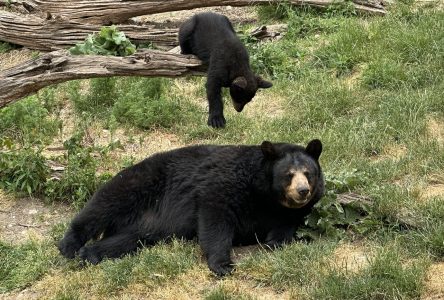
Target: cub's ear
{"type": "Point", "coordinates": [314, 148]}
{"type": "Point", "coordinates": [268, 150]}
{"type": "Point", "coordinates": [240, 82]}
{"type": "Point", "coordinates": [263, 84]}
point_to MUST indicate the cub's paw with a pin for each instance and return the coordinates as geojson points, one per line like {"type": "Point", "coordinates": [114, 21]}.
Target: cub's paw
{"type": "Point", "coordinates": [217, 121]}
{"type": "Point", "coordinates": [221, 269]}
{"type": "Point", "coordinates": [69, 245]}
{"type": "Point", "coordinates": [90, 254]}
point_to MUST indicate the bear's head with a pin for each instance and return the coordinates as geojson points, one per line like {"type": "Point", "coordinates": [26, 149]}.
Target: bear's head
{"type": "Point", "coordinates": [296, 174]}
{"type": "Point", "coordinates": [243, 89]}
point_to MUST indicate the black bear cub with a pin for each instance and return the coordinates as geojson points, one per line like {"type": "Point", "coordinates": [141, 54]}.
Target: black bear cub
{"type": "Point", "coordinates": [223, 195]}
{"type": "Point", "coordinates": [212, 39]}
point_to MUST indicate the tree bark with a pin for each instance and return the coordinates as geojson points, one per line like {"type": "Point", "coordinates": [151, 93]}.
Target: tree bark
{"type": "Point", "coordinates": [60, 66]}
{"type": "Point", "coordinates": [106, 12]}
{"type": "Point", "coordinates": [41, 34]}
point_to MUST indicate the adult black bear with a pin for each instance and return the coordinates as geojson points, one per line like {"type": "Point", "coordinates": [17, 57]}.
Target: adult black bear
{"type": "Point", "coordinates": [212, 39]}
{"type": "Point", "coordinates": [223, 195]}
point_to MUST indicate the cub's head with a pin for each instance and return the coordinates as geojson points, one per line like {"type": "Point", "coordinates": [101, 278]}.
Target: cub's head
{"type": "Point", "coordinates": [296, 173]}
{"type": "Point", "coordinates": [243, 89]}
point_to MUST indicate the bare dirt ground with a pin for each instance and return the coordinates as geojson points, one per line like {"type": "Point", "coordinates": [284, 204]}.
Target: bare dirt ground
{"type": "Point", "coordinates": [351, 257]}
{"type": "Point", "coordinates": [175, 18]}
{"type": "Point", "coordinates": [28, 218]}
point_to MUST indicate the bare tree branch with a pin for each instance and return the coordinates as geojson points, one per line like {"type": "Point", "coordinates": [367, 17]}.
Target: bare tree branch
{"type": "Point", "coordinates": [106, 12]}
{"type": "Point", "coordinates": [60, 66]}
{"type": "Point", "coordinates": [54, 34]}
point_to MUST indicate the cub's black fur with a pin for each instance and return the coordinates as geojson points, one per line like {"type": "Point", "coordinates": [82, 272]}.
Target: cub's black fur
{"type": "Point", "coordinates": [223, 195]}
{"type": "Point", "coordinates": [212, 39]}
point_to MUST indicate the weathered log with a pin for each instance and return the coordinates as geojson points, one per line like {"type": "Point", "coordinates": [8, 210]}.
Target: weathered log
{"type": "Point", "coordinates": [41, 34]}
{"type": "Point", "coordinates": [107, 12]}
{"type": "Point", "coordinates": [60, 66]}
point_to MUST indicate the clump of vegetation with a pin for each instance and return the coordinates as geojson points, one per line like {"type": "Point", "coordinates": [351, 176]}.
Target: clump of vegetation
{"type": "Point", "coordinates": [23, 172]}
{"type": "Point", "coordinates": [109, 41]}
{"type": "Point", "coordinates": [27, 122]}
{"type": "Point", "coordinates": [79, 180]}
{"type": "Point", "coordinates": [98, 97]}
{"type": "Point", "coordinates": [5, 47]}
{"type": "Point", "coordinates": [138, 101]}
{"type": "Point", "coordinates": [330, 218]}
{"type": "Point", "coordinates": [142, 102]}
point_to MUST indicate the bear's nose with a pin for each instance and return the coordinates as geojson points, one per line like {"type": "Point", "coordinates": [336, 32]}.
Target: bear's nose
{"type": "Point", "coordinates": [303, 192]}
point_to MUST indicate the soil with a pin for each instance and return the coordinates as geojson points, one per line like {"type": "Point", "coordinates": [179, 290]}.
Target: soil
{"type": "Point", "coordinates": [174, 19]}
{"type": "Point", "coordinates": [22, 219]}
{"type": "Point", "coordinates": [351, 257]}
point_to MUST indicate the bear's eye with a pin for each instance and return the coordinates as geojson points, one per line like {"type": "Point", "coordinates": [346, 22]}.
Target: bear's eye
{"type": "Point", "coordinates": [289, 176]}
{"type": "Point", "coordinates": [306, 174]}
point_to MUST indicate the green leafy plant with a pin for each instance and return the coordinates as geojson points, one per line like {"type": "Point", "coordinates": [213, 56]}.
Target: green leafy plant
{"type": "Point", "coordinates": [329, 217]}
{"type": "Point", "coordinates": [79, 180]}
{"type": "Point", "coordinates": [23, 172]}
{"type": "Point", "coordinates": [109, 41]}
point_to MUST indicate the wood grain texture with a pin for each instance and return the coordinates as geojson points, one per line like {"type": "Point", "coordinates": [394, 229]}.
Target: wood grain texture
{"type": "Point", "coordinates": [107, 12]}
{"type": "Point", "coordinates": [41, 34]}
{"type": "Point", "coordinates": [60, 66]}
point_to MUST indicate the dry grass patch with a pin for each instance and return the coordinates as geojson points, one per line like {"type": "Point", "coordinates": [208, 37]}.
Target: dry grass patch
{"type": "Point", "coordinates": [265, 104]}
{"type": "Point", "coordinates": [434, 282]}
{"type": "Point", "coordinates": [14, 57]}
{"type": "Point", "coordinates": [351, 257]}
{"type": "Point", "coordinates": [434, 187]}
{"type": "Point", "coordinates": [435, 129]}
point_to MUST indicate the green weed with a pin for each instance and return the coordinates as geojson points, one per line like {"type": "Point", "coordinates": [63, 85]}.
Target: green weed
{"type": "Point", "coordinates": [23, 172]}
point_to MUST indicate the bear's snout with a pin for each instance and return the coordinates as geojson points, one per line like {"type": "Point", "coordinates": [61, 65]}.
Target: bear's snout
{"type": "Point", "coordinates": [238, 106]}
{"type": "Point", "coordinates": [303, 192]}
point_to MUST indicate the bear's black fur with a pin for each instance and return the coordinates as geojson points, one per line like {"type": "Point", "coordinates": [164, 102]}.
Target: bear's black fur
{"type": "Point", "coordinates": [212, 39]}
{"type": "Point", "coordinates": [224, 195]}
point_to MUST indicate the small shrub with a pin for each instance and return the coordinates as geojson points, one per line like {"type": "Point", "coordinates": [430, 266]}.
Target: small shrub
{"type": "Point", "coordinates": [23, 172]}
{"type": "Point", "coordinates": [79, 180]}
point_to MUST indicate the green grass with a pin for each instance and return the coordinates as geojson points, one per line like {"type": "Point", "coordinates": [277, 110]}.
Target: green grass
{"type": "Point", "coordinates": [24, 264]}
{"type": "Point", "coordinates": [368, 87]}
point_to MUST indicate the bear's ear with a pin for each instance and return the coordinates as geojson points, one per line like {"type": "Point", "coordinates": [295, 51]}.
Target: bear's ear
{"type": "Point", "coordinates": [268, 150]}
{"type": "Point", "coordinates": [263, 84]}
{"type": "Point", "coordinates": [240, 82]}
{"type": "Point", "coordinates": [314, 148]}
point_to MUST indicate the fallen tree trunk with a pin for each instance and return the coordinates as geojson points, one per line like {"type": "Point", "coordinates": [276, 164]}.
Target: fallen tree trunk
{"type": "Point", "coordinates": [54, 34]}
{"type": "Point", "coordinates": [106, 12]}
{"type": "Point", "coordinates": [60, 66]}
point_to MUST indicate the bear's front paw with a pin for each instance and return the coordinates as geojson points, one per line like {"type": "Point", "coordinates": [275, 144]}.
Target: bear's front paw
{"type": "Point", "coordinates": [217, 121]}
{"type": "Point", "coordinates": [221, 269]}
{"type": "Point", "coordinates": [69, 245]}
{"type": "Point", "coordinates": [90, 254]}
